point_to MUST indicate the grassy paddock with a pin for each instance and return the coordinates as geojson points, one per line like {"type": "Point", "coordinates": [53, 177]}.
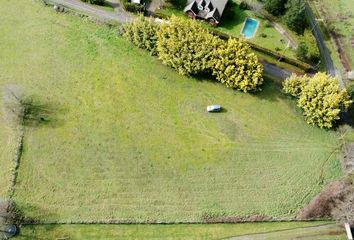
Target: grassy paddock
{"type": "Point", "coordinates": [129, 139]}
{"type": "Point", "coordinates": [183, 231]}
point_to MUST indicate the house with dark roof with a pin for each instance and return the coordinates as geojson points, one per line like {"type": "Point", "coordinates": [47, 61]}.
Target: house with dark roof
{"type": "Point", "coordinates": [208, 10]}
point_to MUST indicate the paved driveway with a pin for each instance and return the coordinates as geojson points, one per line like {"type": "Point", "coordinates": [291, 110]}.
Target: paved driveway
{"type": "Point", "coordinates": [118, 16]}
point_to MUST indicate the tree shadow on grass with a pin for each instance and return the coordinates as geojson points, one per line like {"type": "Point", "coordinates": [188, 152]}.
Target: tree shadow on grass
{"type": "Point", "coordinates": [346, 118]}
{"type": "Point", "coordinates": [40, 114]}
{"type": "Point", "coordinates": [21, 219]}
{"type": "Point", "coordinates": [204, 77]}
{"type": "Point", "coordinates": [271, 91]}
{"type": "Point", "coordinates": [28, 110]}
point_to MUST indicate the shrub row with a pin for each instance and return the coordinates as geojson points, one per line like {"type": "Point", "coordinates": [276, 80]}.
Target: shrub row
{"type": "Point", "coordinates": [191, 49]}
{"type": "Point", "coordinates": [299, 64]}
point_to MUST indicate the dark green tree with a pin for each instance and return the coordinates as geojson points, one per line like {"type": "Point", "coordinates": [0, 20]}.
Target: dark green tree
{"type": "Point", "coordinates": [295, 17]}
{"type": "Point", "coordinates": [302, 51]}
{"type": "Point", "coordinates": [275, 7]}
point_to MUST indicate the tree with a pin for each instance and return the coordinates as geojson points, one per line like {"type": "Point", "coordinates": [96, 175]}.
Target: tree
{"type": "Point", "coordinates": [313, 54]}
{"type": "Point", "coordinates": [275, 7]}
{"type": "Point", "coordinates": [295, 17]}
{"type": "Point", "coordinates": [319, 97]}
{"type": "Point", "coordinates": [143, 33]}
{"type": "Point", "coordinates": [307, 49]}
{"type": "Point", "coordinates": [186, 46]}
{"type": "Point", "coordinates": [236, 66]}
{"type": "Point", "coordinates": [229, 13]}
{"type": "Point", "coordinates": [302, 51]}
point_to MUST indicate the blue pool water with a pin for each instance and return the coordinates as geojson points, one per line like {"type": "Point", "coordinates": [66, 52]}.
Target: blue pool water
{"type": "Point", "coordinates": [250, 28]}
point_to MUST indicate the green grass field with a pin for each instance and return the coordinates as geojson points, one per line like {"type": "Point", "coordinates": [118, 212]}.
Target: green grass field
{"type": "Point", "coordinates": [129, 139]}
{"type": "Point", "coordinates": [183, 231]}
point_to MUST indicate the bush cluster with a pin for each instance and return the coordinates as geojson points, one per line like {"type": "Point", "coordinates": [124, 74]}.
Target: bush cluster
{"type": "Point", "coordinates": [186, 46]}
{"type": "Point", "coordinates": [236, 66]}
{"type": "Point", "coordinates": [308, 50]}
{"type": "Point", "coordinates": [319, 97]}
{"type": "Point", "coordinates": [275, 7]}
{"type": "Point", "coordinates": [143, 33]}
{"type": "Point", "coordinates": [132, 7]}
{"type": "Point", "coordinates": [191, 49]}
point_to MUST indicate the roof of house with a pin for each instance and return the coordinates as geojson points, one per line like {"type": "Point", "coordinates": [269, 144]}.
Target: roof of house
{"type": "Point", "coordinates": [215, 8]}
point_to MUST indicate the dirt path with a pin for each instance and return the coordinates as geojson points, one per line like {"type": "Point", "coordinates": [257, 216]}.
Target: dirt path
{"type": "Point", "coordinates": [331, 231]}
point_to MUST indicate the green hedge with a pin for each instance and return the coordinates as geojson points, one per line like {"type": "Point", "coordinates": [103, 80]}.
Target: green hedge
{"type": "Point", "coordinates": [301, 65]}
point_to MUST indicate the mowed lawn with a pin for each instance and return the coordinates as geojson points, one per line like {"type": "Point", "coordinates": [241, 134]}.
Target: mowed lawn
{"type": "Point", "coordinates": [129, 139]}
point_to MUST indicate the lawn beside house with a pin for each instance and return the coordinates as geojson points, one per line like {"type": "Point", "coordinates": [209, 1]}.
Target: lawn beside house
{"type": "Point", "coordinates": [129, 139]}
{"type": "Point", "coordinates": [266, 36]}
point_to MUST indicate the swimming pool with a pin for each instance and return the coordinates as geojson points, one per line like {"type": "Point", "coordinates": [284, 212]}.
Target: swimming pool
{"type": "Point", "coordinates": [250, 28]}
